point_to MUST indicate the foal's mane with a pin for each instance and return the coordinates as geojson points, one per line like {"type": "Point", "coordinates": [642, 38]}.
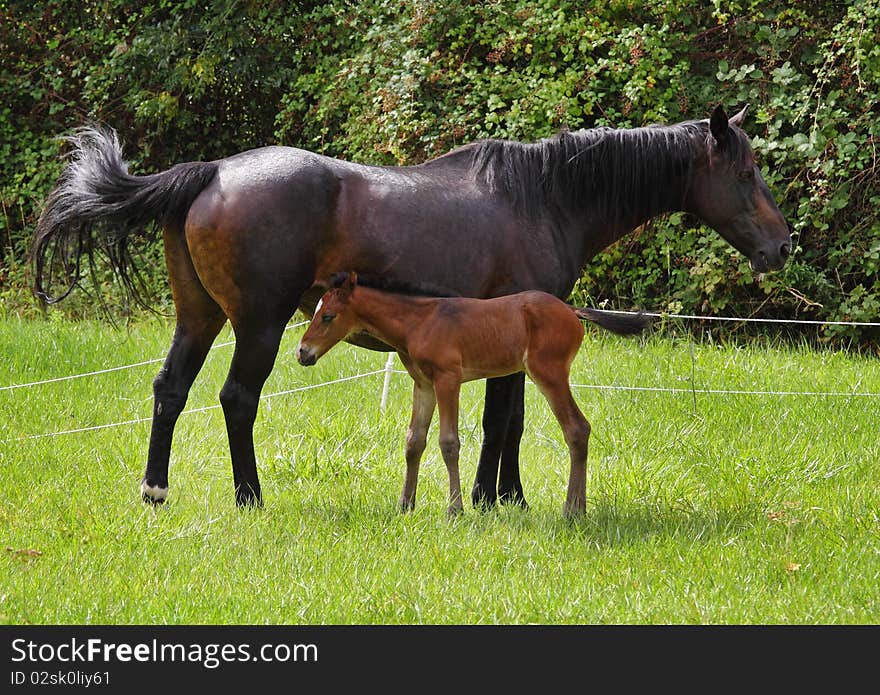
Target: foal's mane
{"type": "Point", "coordinates": [618, 173]}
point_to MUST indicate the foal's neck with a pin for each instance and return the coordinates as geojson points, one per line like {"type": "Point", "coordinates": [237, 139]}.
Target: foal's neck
{"type": "Point", "coordinates": [388, 315]}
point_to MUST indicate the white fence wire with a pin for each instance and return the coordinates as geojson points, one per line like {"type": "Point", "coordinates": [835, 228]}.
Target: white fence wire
{"type": "Point", "coordinates": [155, 360]}
{"type": "Point", "coordinates": [203, 409]}
{"type": "Point", "coordinates": [387, 370]}
{"type": "Point", "coordinates": [660, 315]}
{"type": "Point", "coordinates": [734, 319]}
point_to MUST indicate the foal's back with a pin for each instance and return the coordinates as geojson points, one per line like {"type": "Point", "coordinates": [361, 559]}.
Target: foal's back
{"type": "Point", "coordinates": [495, 337]}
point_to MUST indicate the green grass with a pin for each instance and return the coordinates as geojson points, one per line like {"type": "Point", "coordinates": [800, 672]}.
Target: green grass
{"type": "Point", "coordinates": [747, 509]}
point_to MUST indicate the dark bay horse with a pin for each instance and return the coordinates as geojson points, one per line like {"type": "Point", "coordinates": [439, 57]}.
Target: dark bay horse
{"type": "Point", "coordinates": [446, 341]}
{"type": "Point", "coordinates": [249, 237]}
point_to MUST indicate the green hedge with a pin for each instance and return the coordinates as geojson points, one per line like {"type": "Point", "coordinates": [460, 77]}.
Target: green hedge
{"type": "Point", "coordinates": [396, 82]}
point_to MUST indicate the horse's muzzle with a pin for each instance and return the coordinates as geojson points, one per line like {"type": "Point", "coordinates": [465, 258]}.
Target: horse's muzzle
{"type": "Point", "coordinates": [305, 356]}
{"type": "Point", "coordinates": [771, 257]}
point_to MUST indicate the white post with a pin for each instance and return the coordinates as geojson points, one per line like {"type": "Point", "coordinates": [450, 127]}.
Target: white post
{"type": "Point", "coordinates": [389, 364]}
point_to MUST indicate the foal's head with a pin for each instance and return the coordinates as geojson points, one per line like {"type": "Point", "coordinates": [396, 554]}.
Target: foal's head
{"type": "Point", "coordinates": [331, 322]}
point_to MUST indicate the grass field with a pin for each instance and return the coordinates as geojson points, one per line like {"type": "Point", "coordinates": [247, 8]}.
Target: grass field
{"type": "Point", "coordinates": [702, 508]}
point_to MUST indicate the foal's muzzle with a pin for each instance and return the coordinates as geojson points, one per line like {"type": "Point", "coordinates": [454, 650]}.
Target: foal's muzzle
{"type": "Point", "coordinates": [306, 356]}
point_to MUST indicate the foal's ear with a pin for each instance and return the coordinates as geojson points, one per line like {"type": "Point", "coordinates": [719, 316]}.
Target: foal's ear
{"type": "Point", "coordinates": [335, 281]}
{"type": "Point", "coordinates": [348, 283]}
{"type": "Point", "coordinates": [718, 126]}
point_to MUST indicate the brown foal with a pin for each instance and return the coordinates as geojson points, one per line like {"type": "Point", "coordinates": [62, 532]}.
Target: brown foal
{"type": "Point", "coordinates": [444, 341]}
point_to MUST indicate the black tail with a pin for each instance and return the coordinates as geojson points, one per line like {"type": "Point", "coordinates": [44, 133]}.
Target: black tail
{"type": "Point", "coordinates": [622, 324]}
{"type": "Point", "coordinates": [98, 205]}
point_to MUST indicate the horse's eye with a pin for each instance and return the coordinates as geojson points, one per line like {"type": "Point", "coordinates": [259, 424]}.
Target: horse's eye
{"type": "Point", "coordinates": [746, 175]}
{"type": "Point", "coordinates": [327, 318]}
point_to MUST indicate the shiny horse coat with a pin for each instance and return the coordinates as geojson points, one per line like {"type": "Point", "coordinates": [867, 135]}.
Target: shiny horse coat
{"type": "Point", "coordinates": [250, 238]}
{"type": "Point", "coordinates": [444, 342]}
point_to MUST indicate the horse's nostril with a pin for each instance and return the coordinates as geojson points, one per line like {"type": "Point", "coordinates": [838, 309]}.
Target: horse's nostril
{"type": "Point", "coordinates": [785, 250]}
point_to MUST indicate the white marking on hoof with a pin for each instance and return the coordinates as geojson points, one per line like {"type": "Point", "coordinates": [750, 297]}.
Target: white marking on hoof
{"type": "Point", "coordinates": [153, 492]}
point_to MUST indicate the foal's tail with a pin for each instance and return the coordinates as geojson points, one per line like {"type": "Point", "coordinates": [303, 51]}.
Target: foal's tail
{"type": "Point", "coordinates": [97, 204]}
{"type": "Point", "coordinates": [622, 324]}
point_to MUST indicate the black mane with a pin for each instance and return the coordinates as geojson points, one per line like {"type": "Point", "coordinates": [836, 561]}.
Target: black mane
{"type": "Point", "coordinates": [622, 174]}
{"type": "Point", "coordinates": [395, 286]}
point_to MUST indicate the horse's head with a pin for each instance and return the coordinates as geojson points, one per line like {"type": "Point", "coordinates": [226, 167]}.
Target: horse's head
{"type": "Point", "coordinates": [728, 193]}
{"type": "Point", "coordinates": [331, 322]}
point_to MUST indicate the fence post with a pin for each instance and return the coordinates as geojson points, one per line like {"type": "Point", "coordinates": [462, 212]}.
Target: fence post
{"type": "Point", "coordinates": [389, 365]}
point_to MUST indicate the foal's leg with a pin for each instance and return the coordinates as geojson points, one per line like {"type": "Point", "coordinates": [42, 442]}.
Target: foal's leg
{"type": "Point", "coordinates": [199, 319]}
{"type": "Point", "coordinates": [416, 438]}
{"type": "Point", "coordinates": [553, 382]}
{"type": "Point", "coordinates": [497, 413]}
{"type": "Point", "coordinates": [447, 388]}
{"type": "Point", "coordinates": [255, 350]}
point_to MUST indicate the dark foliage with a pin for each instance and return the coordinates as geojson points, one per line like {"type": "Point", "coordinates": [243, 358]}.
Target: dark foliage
{"type": "Point", "coordinates": [399, 82]}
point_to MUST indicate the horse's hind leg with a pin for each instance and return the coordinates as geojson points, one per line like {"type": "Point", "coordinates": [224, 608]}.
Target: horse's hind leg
{"type": "Point", "coordinates": [170, 390]}
{"type": "Point", "coordinates": [199, 319]}
{"type": "Point", "coordinates": [553, 382]}
{"type": "Point", "coordinates": [255, 350]}
{"type": "Point", "coordinates": [447, 389]}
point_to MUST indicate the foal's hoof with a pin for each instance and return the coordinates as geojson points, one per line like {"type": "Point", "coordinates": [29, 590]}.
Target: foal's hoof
{"type": "Point", "coordinates": [571, 512]}
{"type": "Point", "coordinates": [153, 494]}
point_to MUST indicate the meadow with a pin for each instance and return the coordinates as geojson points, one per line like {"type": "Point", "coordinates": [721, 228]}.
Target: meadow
{"type": "Point", "coordinates": [745, 507]}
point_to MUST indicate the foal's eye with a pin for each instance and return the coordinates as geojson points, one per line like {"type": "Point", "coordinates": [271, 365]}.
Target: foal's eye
{"type": "Point", "coordinates": [746, 175]}
{"type": "Point", "coordinates": [327, 318]}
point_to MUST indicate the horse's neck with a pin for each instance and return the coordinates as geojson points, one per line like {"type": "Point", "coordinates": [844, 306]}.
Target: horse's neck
{"type": "Point", "coordinates": [388, 316]}
{"type": "Point", "coordinates": [661, 187]}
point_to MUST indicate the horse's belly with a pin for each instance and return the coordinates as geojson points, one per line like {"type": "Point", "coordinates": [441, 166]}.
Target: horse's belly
{"type": "Point", "coordinates": [489, 358]}
{"type": "Point", "coordinates": [472, 374]}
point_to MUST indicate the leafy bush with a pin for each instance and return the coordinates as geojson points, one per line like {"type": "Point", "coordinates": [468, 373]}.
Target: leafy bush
{"type": "Point", "coordinates": [396, 82]}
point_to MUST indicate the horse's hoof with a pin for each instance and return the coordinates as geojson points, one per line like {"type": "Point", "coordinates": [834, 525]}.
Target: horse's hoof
{"type": "Point", "coordinates": [454, 512]}
{"type": "Point", "coordinates": [153, 494]}
{"type": "Point", "coordinates": [513, 496]}
{"type": "Point", "coordinates": [483, 498]}
{"type": "Point", "coordinates": [248, 499]}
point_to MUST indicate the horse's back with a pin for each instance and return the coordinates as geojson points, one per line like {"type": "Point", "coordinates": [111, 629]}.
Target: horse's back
{"type": "Point", "coordinates": [494, 337]}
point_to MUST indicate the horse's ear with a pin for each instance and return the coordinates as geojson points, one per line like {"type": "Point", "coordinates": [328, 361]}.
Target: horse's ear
{"type": "Point", "coordinates": [739, 118]}
{"type": "Point", "coordinates": [718, 126]}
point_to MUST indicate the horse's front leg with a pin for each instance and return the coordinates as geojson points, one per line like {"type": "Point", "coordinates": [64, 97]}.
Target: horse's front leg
{"type": "Point", "coordinates": [446, 389]}
{"type": "Point", "coordinates": [416, 438]}
{"type": "Point", "coordinates": [502, 431]}
{"type": "Point", "coordinates": [510, 487]}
